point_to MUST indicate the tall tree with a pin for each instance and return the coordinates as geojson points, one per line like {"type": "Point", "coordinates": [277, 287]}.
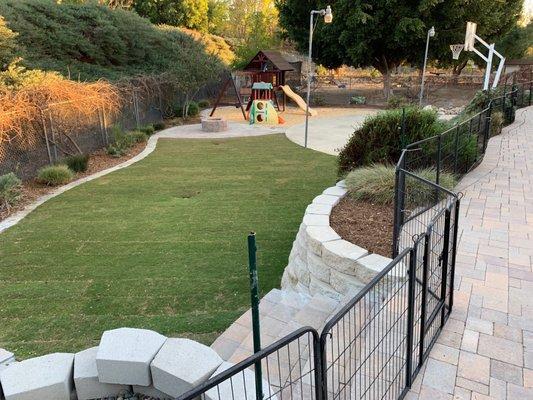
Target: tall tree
{"type": "Point", "coordinates": [189, 13]}
{"type": "Point", "coordinates": [385, 33]}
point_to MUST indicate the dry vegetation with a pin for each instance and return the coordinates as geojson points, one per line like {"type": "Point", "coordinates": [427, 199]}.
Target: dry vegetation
{"type": "Point", "coordinates": [21, 111]}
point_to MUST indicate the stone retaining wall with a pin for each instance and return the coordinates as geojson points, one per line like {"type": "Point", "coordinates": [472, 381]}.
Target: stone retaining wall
{"type": "Point", "coordinates": [320, 261]}
{"type": "Point", "coordinates": [128, 361]}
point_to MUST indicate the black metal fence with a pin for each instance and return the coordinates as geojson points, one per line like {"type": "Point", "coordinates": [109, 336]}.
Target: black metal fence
{"type": "Point", "coordinates": [442, 158]}
{"type": "Point", "coordinates": [375, 346]}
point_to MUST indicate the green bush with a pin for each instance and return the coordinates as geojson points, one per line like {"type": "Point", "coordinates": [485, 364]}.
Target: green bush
{"type": "Point", "coordinates": [158, 126]}
{"type": "Point", "coordinates": [396, 102]}
{"type": "Point", "coordinates": [203, 104]}
{"type": "Point", "coordinates": [358, 100]}
{"type": "Point", "coordinates": [376, 183]}
{"type": "Point", "coordinates": [148, 130]}
{"type": "Point", "coordinates": [496, 123]}
{"type": "Point", "coordinates": [55, 175]}
{"type": "Point", "coordinates": [133, 137]}
{"type": "Point", "coordinates": [78, 162]}
{"type": "Point", "coordinates": [124, 141]}
{"type": "Point", "coordinates": [379, 139]}
{"type": "Point", "coordinates": [10, 190]}
{"type": "Point", "coordinates": [192, 111]}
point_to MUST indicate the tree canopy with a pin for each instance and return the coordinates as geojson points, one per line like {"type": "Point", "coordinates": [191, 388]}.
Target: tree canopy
{"type": "Point", "coordinates": [188, 13]}
{"type": "Point", "coordinates": [386, 33]}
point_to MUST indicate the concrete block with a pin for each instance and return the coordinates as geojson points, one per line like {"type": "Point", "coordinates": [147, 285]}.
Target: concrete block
{"type": "Point", "coordinates": [182, 364]}
{"type": "Point", "coordinates": [316, 220]}
{"type": "Point", "coordinates": [319, 209]}
{"type": "Point", "coordinates": [342, 255]}
{"type": "Point", "coordinates": [6, 357]}
{"type": "Point", "coordinates": [326, 199]}
{"type": "Point", "coordinates": [344, 284]}
{"type": "Point", "coordinates": [341, 184]}
{"type": "Point", "coordinates": [151, 392]}
{"type": "Point", "coordinates": [240, 388]}
{"type": "Point", "coordinates": [370, 266]}
{"type": "Point", "coordinates": [45, 378]}
{"type": "Point", "coordinates": [86, 378]}
{"type": "Point", "coordinates": [125, 354]}
{"type": "Point", "coordinates": [317, 235]}
{"type": "Point", "coordinates": [318, 287]}
{"type": "Point", "coordinates": [335, 191]}
{"type": "Point", "coordinates": [317, 268]}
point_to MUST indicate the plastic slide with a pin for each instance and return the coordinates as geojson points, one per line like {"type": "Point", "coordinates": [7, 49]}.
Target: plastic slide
{"type": "Point", "coordinates": [297, 99]}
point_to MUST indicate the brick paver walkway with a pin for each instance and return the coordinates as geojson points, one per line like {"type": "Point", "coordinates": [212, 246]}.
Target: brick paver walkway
{"type": "Point", "coordinates": [486, 349]}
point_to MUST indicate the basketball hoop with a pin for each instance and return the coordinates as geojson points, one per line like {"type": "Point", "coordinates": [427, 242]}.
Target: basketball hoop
{"type": "Point", "coordinates": [456, 50]}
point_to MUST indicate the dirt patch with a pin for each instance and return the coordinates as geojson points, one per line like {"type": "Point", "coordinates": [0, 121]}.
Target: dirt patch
{"type": "Point", "coordinates": [100, 160]}
{"type": "Point", "coordinates": [365, 224]}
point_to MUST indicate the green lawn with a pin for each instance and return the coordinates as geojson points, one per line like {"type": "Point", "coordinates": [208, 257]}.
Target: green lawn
{"type": "Point", "coordinates": [160, 244]}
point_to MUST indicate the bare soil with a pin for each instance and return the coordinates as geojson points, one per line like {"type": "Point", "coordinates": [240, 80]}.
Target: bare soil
{"type": "Point", "coordinates": [365, 224]}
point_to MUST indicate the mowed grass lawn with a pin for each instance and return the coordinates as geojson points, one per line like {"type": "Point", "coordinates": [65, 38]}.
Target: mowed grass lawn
{"type": "Point", "coordinates": [159, 245]}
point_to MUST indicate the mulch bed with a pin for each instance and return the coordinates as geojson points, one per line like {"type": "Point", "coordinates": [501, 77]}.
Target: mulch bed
{"type": "Point", "coordinates": [365, 224]}
{"type": "Point", "coordinates": [100, 160]}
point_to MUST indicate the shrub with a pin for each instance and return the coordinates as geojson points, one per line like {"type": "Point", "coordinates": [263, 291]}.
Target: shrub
{"type": "Point", "coordinates": [203, 104]}
{"type": "Point", "coordinates": [78, 162]}
{"type": "Point", "coordinates": [55, 175]}
{"type": "Point", "coordinates": [496, 123]}
{"type": "Point", "coordinates": [148, 130]}
{"type": "Point", "coordinates": [158, 126]}
{"type": "Point", "coordinates": [358, 100]}
{"type": "Point", "coordinates": [93, 41]}
{"type": "Point", "coordinates": [376, 183]}
{"type": "Point", "coordinates": [124, 141]}
{"type": "Point", "coordinates": [133, 137]}
{"type": "Point", "coordinates": [10, 190]}
{"type": "Point", "coordinates": [379, 139]}
{"type": "Point", "coordinates": [396, 102]}
{"type": "Point", "coordinates": [193, 109]}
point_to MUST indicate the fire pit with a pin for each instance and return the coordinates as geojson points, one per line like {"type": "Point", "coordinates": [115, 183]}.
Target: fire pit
{"type": "Point", "coordinates": [214, 125]}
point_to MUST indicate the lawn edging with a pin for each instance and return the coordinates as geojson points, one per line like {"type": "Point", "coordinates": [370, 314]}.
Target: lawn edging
{"type": "Point", "coordinates": [321, 262]}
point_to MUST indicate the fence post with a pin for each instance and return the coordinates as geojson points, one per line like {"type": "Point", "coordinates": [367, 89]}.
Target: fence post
{"type": "Point", "coordinates": [53, 134]}
{"type": "Point", "coordinates": [423, 311]}
{"type": "Point", "coordinates": [454, 250]}
{"type": "Point", "coordinates": [254, 293]}
{"type": "Point", "coordinates": [530, 91]}
{"type": "Point", "coordinates": [488, 123]}
{"type": "Point", "coordinates": [444, 259]}
{"type": "Point", "coordinates": [399, 198]}
{"type": "Point", "coordinates": [439, 159]}
{"type": "Point", "coordinates": [46, 138]}
{"type": "Point", "coordinates": [456, 151]}
{"type": "Point", "coordinates": [411, 314]}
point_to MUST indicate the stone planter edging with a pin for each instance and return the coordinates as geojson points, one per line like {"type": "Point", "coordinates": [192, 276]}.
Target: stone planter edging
{"type": "Point", "coordinates": [321, 261]}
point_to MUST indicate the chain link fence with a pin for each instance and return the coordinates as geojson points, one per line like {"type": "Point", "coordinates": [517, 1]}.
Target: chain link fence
{"type": "Point", "coordinates": [62, 129]}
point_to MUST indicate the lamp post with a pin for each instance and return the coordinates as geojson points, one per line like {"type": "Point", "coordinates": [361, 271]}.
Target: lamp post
{"type": "Point", "coordinates": [431, 33]}
{"type": "Point", "coordinates": [328, 18]}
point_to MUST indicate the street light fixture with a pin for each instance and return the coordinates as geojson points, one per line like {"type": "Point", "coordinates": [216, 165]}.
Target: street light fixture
{"type": "Point", "coordinates": [431, 33]}
{"type": "Point", "coordinates": [328, 19]}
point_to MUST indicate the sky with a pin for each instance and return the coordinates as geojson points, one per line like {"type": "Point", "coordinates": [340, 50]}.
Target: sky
{"type": "Point", "coordinates": [528, 7]}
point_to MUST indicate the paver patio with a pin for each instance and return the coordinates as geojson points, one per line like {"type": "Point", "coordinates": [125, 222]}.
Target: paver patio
{"type": "Point", "coordinates": [486, 349]}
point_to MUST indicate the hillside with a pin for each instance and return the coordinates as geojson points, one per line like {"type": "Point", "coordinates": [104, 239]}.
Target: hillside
{"type": "Point", "coordinates": [88, 41]}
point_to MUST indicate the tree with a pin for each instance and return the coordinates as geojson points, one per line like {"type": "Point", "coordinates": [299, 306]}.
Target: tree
{"type": "Point", "coordinates": [8, 45]}
{"type": "Point", "coordinates": [386, 33]}
{"type": "Point", "coordinates": [218, 16]}
{"type": "Point", "coordinates": [518, 42]}
{"type": "Point", "coordinates": [188, 13]}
